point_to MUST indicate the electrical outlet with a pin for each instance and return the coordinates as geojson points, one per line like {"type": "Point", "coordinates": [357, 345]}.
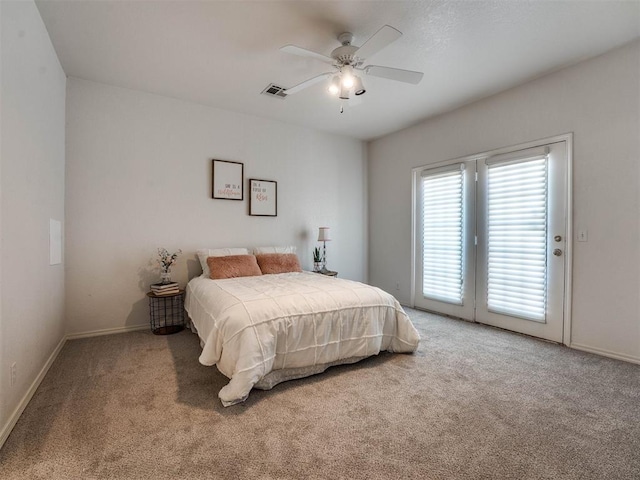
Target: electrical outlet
{"type": "Point", "coordinates": [14, 373]}
{"type": "Point", "coordinates": [397, 286]}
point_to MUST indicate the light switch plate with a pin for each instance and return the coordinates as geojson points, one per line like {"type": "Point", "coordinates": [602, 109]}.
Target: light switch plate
{"type": "Point", "coordinates": [582, 235]}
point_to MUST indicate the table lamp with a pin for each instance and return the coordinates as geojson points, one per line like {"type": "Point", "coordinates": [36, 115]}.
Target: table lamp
{"type": "Point", "coordinates": [323, 236]}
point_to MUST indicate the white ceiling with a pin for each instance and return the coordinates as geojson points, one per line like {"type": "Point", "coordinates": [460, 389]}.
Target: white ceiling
{"type": "Point", "coordinates": [224, 53]}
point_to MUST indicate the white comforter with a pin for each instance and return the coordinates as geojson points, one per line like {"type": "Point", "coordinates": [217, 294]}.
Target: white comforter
{"type": "Point", "coordinates": [253, 325]}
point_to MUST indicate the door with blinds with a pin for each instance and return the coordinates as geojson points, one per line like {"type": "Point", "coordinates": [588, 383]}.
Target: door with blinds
{"type": "Point", "coordinates": [491, 240]}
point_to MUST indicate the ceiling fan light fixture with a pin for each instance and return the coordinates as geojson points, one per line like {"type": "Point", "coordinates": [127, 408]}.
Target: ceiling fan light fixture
{"type": "Point", "coordinates": [334, 85]}
{"type": "Point", "coordinates": [358, 87]}
{"type": "Point", "coordinates": [348, 61]}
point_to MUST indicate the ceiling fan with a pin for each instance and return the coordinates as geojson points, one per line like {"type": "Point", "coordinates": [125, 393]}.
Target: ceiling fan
{"type": "Point", "coordinates": [348, 60]}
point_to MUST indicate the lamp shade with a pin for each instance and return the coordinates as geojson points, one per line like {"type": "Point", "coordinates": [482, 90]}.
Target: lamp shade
{"type": "Point", "coordinates": [358, 87]}
{"type": "Point", "coordinates": [334, 85]}
{"type": "Point", "coordinates": [344, 93]}
{"type": "Point", "coordinates": [323, 234]}
{"type": "Point", "coordinates": [347, 76]}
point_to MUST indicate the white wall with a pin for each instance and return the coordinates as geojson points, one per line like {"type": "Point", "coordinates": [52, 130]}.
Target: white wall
{"type": "Point", "coordinates": [139, 177]}
{"type": "Point", "coordinates": [31, 192]}
{"type": "Point", "coordinates": [3, 367]}
{"type": "Point", "coordinates": [598, 100]}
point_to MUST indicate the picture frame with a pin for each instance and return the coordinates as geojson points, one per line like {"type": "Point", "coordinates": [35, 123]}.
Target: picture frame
{"type": "Point", "coordinates": [227, 180]}
{"type": "Point", "coordinates": [263, 198]}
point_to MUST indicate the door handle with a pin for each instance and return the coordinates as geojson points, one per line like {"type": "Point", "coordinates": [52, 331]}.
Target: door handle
{"type": "Point", "coordinates": [557, 252]}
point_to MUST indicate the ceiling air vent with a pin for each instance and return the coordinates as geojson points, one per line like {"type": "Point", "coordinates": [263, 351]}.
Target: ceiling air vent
{"type": "Point", "coordinates": [275, 91]}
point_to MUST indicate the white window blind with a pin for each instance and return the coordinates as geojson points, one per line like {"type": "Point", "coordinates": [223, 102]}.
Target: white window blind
{"type": "Point", "coordinates": [517, 232]}
{"type": "Point", "coordinates": [442, 203]}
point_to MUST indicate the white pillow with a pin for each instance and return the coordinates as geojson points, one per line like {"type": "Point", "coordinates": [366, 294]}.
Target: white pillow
{"type": "Point", "coordinates": [261, 250]}
{"type": "Point", "coordinates": [205, 253]}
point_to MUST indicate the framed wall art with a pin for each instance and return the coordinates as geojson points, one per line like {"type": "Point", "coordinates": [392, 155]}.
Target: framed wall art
{"type": "Point", "coordinates": [263, 198]}
{"type": "Point", "coordinates": [227, 180]}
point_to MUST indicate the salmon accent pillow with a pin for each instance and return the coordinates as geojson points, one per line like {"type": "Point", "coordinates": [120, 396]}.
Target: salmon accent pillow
{"type": "Point", "coordinates": [233, 266]}
{"type": "Point", "coordinates": [205, 253]}
{"type": "Point", "coordinates": [278, 263]}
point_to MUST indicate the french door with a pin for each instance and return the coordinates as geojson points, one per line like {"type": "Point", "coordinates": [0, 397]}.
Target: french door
{"type": "Point", "coordinates": [490, 239]}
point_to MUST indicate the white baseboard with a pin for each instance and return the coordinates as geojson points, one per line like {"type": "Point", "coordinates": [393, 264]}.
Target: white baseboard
{"type": "Point", "coordinates": [108, 331]}
{"type": "Point", "coordinates": [13, 419]}
{"type": "Point", "coordinates": [606, 353]}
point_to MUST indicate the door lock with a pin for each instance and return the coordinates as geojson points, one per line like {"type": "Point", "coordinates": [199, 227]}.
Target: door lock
{"type": "Point", "coordinates": [557, 238]}
{"type": "Point", "coordinates": [557, 252]}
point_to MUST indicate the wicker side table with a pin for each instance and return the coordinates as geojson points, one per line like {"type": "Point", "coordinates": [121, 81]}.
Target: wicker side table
{"type": "Point", "coordinates": [166, 312]}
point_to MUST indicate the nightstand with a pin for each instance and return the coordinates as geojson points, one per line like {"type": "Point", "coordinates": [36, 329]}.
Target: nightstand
{"type": "Point", "coordinates": [328, 273]}
{"type": "Point", "coordinates": [166, 312]}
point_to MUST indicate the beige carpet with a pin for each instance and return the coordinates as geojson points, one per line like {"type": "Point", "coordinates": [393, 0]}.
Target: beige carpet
{"type": "Point", "coordinates": [473, 403]}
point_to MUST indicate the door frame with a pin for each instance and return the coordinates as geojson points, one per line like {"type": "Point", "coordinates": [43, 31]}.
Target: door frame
{"type": "Point", "coordinates": [568, 272]}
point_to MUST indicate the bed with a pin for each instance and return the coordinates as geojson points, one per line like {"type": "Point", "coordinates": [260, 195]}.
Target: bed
{"type": "Point", "coordinates": [265, 329]}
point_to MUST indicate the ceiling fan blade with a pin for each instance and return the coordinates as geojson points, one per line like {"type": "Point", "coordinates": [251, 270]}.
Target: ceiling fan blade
{"type": "Point", "coordinates": [308, 83]}
{"type": "Point", "coordinates": [303, 52]}
{"type": "Point", "coordinates": [378, 41]}
{"type": "Point", "coordinates": [406, 76]}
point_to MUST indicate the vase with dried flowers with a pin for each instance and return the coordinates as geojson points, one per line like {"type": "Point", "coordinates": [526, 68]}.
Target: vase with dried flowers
{"type": "Point", "coordinates": [165, 261]}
